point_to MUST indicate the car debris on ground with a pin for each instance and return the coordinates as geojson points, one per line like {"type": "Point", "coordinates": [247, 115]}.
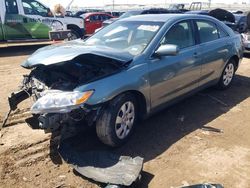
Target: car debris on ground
{"type": "Point", "coordinates": [103, 166]}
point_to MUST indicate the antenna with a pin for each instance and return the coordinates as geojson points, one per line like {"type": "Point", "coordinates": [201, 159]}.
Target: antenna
{"type": "Point", "coordinates": [68, 7]}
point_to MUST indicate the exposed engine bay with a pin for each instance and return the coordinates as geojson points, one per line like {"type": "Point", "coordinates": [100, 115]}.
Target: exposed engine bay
{"type": "Point", "coordinates": [61, 79]}
{"type": "Point", "coordinates": [66, 76]}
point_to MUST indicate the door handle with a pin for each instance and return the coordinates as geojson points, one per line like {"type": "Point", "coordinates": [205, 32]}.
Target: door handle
{"type": "Point", "coordinates": [195, 55]}
{"type": "Point", "coordinates": [25, 20]}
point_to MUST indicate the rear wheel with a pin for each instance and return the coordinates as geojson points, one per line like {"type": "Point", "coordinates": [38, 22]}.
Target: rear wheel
{"type": "Point", "coordinates": [116, 123]}
{"type": "Point", "coordinates": [227, 75]}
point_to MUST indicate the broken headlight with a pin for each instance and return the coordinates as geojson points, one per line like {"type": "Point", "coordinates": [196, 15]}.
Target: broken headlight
{"type": "Point", "coordinates": [55, 101]}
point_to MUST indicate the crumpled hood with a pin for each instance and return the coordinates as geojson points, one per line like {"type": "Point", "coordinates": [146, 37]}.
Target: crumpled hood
{"type": "Point", "coordinates": [67, 51]}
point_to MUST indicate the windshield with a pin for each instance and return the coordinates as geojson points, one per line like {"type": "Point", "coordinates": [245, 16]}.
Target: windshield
{"type": "Point", "coordinates": [130, 13]}
{"type": "Point", "coordinates": [129, 36]}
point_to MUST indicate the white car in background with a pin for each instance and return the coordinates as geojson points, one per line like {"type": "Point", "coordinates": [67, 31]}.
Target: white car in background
{"type": "Point", "coordinates": [246, 41]}
{"type": "Point", "coordinates": [29, 20]}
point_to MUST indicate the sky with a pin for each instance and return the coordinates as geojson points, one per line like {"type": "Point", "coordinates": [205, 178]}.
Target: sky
{"type": "Point", "coordinates": [96, 3]}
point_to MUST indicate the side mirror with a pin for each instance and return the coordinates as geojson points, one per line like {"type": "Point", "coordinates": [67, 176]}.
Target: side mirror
{"type": "Point", "coordinates": [167, 50]}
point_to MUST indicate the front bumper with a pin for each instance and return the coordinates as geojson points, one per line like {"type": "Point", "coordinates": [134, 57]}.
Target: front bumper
{"type": "Point", "coordinates": [51, 122]}
{"type": "Point", "coordinates": [54, 121]}
{"type": "Point", "coordinates": [59, 35]}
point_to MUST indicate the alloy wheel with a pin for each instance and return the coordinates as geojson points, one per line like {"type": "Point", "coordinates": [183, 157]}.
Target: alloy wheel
{"type": "Point", "coordinates": [228, 74]}
{"type": "Point", "coordinates": [125, 120]}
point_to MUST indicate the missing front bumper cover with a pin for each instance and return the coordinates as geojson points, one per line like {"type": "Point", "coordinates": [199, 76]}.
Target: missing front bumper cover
{"type": "Point", "coordinates": [14, 99]}
{"type": "Point", "coordinates": [51, 121]}
{"type": "Point", "coordinates": [17, 97]}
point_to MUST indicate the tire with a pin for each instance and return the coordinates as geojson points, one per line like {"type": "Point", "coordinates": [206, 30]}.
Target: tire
{"type": "Point", "coordinates": [108, 128]}
{"type": "Point", "coordinates": [227, 75]}
{"type": "Point", "coordinates": [74, 34]}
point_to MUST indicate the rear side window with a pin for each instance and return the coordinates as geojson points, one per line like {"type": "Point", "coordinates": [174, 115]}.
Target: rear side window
{"type": "Point", "coordinates": [207, 31]}
{"type": "Point", "coordinates": [222, 33]}
{"type": "Point", "coordinates": [34, 8]}
{"type": "Point", "coordinates": [104, 17]}
{"type": "Point", "coordinates": [11, 7]}
{"type": "Point", "coordinates": [180, 34]}
{"type": "Point", "coordinates": [94, 18]}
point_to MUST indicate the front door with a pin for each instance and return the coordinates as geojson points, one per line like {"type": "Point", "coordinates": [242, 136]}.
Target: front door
{"type": "Point", "coordinates": [37, 19]}
{"type": "Point", "coordinates": [173, 76]}
{"type": "Point", "coordinates": [93, 23]}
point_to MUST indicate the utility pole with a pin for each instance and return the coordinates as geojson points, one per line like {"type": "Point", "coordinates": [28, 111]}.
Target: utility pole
{"type": "Point", "coordinates": [209, 4]}
{"type": "Point", "coordinates": [113, 4]}
{"type": "Point", "coordinates": [69, 5]}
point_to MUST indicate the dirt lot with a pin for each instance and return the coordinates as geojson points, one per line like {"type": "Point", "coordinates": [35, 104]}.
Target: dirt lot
{"type": "Point", "coordinates": [202, 139]}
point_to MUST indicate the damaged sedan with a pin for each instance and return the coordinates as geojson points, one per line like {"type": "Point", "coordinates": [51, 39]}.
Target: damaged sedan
{"type": "Point", "coordinates": [127, 71]}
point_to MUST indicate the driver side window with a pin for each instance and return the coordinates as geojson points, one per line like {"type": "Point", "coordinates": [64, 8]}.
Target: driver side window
{"type": "Point", "coordinates": [180, 34]}
{"type": "Point", "coordinates": [34, 8]}
{"type": "Point", "coordinates": [94, 18]}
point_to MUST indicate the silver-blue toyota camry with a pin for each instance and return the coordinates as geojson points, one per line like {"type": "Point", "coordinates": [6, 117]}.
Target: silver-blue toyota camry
{"type": "Point", "coordinates": [127, 71]}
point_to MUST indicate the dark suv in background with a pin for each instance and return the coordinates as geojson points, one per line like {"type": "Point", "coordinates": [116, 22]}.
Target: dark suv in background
{"type": "Point", "coordinates": [137, 12]}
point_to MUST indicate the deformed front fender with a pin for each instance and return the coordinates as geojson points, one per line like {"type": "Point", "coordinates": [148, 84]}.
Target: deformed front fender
{"type": "Point", "coordinates": [133, 78]}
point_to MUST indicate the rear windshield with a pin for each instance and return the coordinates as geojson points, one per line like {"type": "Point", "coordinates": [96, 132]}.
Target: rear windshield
{"type": "Point", "coordinates": [131, 13]}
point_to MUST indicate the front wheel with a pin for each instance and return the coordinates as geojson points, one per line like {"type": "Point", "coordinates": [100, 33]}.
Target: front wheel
{"type": "Point", "coordinates": [227, 75]}
{"type": "Point", "coordinates": [117, 121]}
{"type": "Point", "coordinates": [74, 34]}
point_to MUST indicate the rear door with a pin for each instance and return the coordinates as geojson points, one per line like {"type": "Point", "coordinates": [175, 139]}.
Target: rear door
{"type": "Point", "coordinates": [215, 48]}
{"type": "Point", "coordinates": [13, 26]}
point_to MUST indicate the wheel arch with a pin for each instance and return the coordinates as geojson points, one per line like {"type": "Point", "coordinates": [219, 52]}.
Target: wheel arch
{"type": "Point", "coordinates": [236, 59]}
{"type": "Point", "coordinates": [141, 101]}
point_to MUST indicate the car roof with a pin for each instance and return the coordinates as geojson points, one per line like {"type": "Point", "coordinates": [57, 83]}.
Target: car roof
{"type": "Point", "coordinates": [148, 10]}
{"type": "Point", "coordinates": [165, 17]}
{"type": "Point", "coordinates": [135, 10]}
{"type": "Point", "coordinates": [92, 13]}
